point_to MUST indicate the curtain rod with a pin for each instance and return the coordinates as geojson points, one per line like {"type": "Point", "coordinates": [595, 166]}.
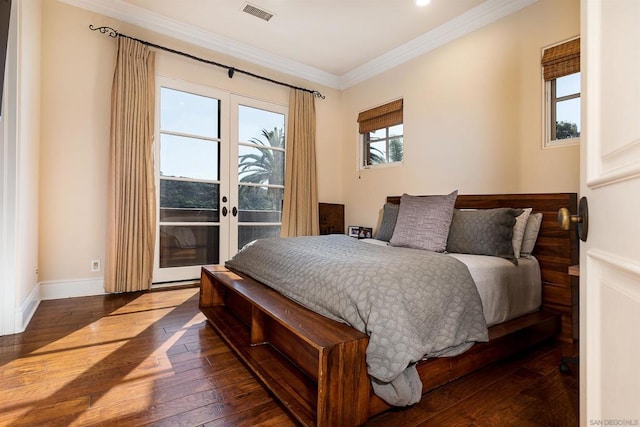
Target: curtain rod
{"type": "Point", "coordinates": [230, 70]}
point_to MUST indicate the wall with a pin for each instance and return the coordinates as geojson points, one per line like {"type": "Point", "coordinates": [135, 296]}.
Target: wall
{"type": "Point", "coordinates": [472, 117]}
{"type": "Point", "coordinates": [75, 131]}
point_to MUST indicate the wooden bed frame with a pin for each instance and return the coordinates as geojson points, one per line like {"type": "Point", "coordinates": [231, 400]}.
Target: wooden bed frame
{"type": "Point", "coordinates": [316, 367]}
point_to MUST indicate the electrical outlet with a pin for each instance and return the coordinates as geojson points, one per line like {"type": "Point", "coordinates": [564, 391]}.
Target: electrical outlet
{"type": "Point", "coordinates": [95, 265]}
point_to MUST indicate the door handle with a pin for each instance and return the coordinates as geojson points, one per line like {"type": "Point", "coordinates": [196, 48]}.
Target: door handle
{"type": "Point", "coordinates": [234, 211]}
{"type": "Point", "coordinates": [565, 219]}
{"type": "Point", "coordinates": [224, 211]}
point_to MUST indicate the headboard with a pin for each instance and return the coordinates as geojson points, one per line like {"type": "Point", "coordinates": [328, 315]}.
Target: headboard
{"type": "Point", "coordinates": [555, 248]}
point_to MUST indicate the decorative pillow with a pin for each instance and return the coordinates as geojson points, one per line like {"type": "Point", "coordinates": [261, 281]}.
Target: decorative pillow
{"type": "Point", "coordinates": [531, 234]}
{"type": "Point", "coordinates": [483, 232]}
{"type": "Point", "coordinates": [388, 224]}
{"type": "Point", "coordinates": [424, 221]}
{"type": "Point", "coordinates": [518, 231]}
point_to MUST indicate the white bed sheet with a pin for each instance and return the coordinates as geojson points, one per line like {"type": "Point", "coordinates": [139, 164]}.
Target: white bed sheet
{"type": "Point", "coordinates": [506, 290]}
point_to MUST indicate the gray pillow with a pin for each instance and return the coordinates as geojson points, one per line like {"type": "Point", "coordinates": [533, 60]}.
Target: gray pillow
{"type": "Point", "coordinates": [423, 222]}
{"type": "Point", "coordinates": [531, 234]}
{"type": "Point", "coordinates": [483, 232]}
{"type": "Point", "coordinates": [388, 224]}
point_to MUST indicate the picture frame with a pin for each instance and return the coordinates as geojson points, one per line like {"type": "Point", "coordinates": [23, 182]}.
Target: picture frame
{"type": "Point", "coordinates": [365, 233]}
{"type": "Point", "coordinates": [360, 232]}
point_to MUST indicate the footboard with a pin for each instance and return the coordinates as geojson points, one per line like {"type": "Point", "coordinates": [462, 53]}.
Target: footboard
{"type": "Point", "coordinates": [313, 365]}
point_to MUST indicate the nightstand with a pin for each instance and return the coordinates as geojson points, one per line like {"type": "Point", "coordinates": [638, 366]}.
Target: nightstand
{"type": "Point", "coordinates": [331, 218]}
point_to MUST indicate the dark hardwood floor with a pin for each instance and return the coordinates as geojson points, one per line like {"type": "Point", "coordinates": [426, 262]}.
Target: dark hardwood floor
{"type": "Point", "coordinates": [151, 359]}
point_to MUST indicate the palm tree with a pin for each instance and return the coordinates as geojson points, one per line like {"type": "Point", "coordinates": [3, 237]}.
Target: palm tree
{"type": "Point", "coordinates": [263, 167]}
{"type": "Point", "coordinates": [266, 167]}
{"type": "Point", "coordinates": [376, 156]}
{"type": "Point", "coordinates": [396, 150]}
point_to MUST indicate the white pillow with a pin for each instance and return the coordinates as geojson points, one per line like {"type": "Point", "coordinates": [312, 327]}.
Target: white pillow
{"type": "Point", "coordinates": [531, 234]}
{"type": "Point", "coordinates": [518, 231]}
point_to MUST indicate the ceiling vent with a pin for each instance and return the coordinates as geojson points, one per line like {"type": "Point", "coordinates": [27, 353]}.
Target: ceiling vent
{"type": "Point", "coordinates": [257, 12]}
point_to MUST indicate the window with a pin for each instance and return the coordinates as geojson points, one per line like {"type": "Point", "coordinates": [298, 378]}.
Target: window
{"type": "Point", "coordinates": [561, 71]}
{"type": "Point", "coordinates": [382, 131]}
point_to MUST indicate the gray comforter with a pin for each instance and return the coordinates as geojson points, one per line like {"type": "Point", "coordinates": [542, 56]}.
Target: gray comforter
{"type": "Point", "coordinates": [413, 304]}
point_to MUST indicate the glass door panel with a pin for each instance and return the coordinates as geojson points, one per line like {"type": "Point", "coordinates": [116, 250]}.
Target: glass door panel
{"type": "Point", "coordinates": [189, 201]}
{"type": "Point", "coordinates": [260, 213]}
{"type": "Point", "coordinates": [189, 245]}
{"type": "Point", "coordinates": [190, 182]}
{"type": "Point", "coordinates": [260, 165]}
{"type": "Point", "coordinates": [182, 111]}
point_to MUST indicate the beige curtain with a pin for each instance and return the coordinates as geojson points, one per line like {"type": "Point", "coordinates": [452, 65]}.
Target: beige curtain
{"type": "Point", "coordinates": [131, 207]}
{"type": "Point", "coordinates": [300, 210]}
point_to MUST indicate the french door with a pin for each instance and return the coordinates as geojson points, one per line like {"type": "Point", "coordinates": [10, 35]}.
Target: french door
{"type": "Point", "coordinates": [219, 176]}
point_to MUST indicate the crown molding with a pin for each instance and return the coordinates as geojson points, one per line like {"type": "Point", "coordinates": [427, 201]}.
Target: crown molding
{"type": "Point", "coordinates": [487, 13]}
{"type": "Point", "coordinates": [126, 12]}
{"type": "Point", "coordinates": [476, 18]}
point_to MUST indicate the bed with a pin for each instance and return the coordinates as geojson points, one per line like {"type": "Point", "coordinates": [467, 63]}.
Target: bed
{"type": "Point", "coordinates": [316, 367]}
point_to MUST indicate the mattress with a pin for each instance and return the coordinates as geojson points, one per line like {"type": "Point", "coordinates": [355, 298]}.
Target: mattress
{"type": "Point", "coordinates": [506, 290]}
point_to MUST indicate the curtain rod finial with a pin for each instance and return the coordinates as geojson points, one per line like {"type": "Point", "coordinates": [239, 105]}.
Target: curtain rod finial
{"type": "Point", "coordinates": [318, 94]}
{"type": "Point", "coordinates": [104, 30]}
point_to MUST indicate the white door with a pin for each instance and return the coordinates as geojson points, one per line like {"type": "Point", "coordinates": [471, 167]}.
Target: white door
{"type": "Point", "coordinates": [220, 176]}
{"type": "Point", "coordinates": [610, 258]}
{"type": "Point", "coordinates": [192, 171]}
{"type": "Point", "coordinates": [257, 160]}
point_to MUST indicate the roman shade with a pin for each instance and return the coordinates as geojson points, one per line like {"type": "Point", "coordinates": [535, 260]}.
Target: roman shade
{"type": "Point", "coordinates": [381, 117]}
{"type": "Point", "coordinates": [561, 60]}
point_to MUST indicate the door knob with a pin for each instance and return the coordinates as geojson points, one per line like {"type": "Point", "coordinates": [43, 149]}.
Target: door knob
{"type": "Point", "coordinates": [565, 219]}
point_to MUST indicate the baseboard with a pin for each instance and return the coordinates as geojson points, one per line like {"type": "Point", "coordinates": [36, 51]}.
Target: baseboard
{"type": "Point", "coordinates": [71, 288]}
{"type": "Point", "coordinates": [56, 289]}
{"type": "Point", "coordinates": [25, 312]}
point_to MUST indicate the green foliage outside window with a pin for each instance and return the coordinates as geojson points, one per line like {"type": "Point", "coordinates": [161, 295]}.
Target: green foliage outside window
{"type": "Point", "coordinates": [566, 130]}
{"type": "Point", "coordinates": [263, 167]}
{"type": "Point", "coordinates": [396, 153]}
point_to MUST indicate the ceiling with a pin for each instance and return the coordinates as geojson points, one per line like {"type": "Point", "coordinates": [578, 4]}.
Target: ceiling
{"type": "Point", "coordinates": [337, 43]}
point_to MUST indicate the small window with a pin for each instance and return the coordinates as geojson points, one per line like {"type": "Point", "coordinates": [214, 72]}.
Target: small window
{"type": "Point", "coordinates": [561, 70]}
{"type": "Point", "coordinates": [382, 146]}
{"type": "Point", "coordinates": [382, 134]}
